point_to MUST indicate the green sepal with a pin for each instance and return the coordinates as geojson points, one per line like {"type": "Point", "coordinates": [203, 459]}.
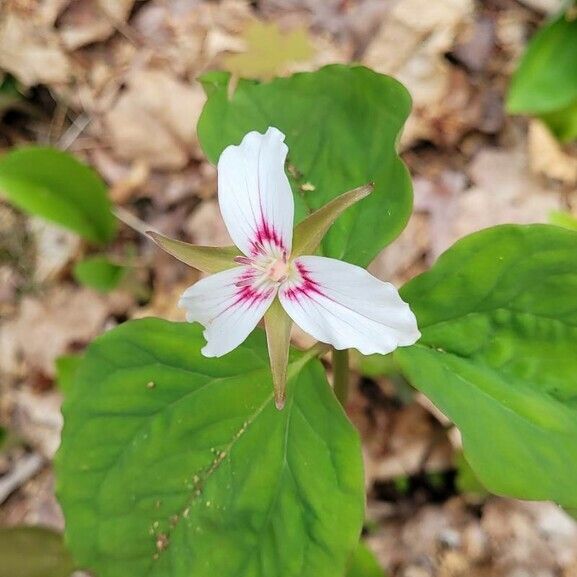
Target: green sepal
{"type": "Point", "coordinates": [309, 233]}
{"type": "Point", "coordinates": [204, 258]}
{"type": "Point", "coordinates": [278, 333]}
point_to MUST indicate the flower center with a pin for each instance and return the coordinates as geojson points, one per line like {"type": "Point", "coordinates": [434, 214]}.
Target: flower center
{"type": "Point", "coordinates": [277, 270]}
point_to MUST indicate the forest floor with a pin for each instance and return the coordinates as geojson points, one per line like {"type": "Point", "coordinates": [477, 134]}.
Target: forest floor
{"type": "Point", "coordinates": [120, 92]}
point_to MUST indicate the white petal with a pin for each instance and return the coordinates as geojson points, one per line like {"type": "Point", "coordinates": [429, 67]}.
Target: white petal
{"type": "Point", "coordinates": [254, 194]}
{"type": "Point", "coordinates": [343, 305]}
{"type": "Point", "coordinates": [228, 312]}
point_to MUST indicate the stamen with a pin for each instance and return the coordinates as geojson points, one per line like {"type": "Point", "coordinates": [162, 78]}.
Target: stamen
{"type": "Point", "coordinates": [243, 260]}
{"type": "Point", "coordinates": [244, 282]}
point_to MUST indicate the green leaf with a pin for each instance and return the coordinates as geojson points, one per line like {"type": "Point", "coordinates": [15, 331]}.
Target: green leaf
{"type": "Point", "coordinates": [10, 96]}
{"type": "Point", "coordinates": [341, 125]}
{"type": "Point", "coordinates": [309, 233]}
{"type": "Point", "coordinates": [466, 481]}
{"type": "Point", "coordinates": [364, 564]}
{"type": "Point", "coordinates": [564, 219]}
{"type": "Point", "coordinates": [563, 122]}
{"type": "Point", "coordinates": [66, 368]}
{"type": "Point", "coordinates": [498, 314]}
{"type": "Point", "coordinates": [175, 465]}
{"type": "Point", "coordinates": [545, 84]}
{"type": "Point", "coordinates": [99, 273]}
{"type": "Point", "coordinates": [33, 552]}
{"type": "Point", "coordinates": [54, 185]}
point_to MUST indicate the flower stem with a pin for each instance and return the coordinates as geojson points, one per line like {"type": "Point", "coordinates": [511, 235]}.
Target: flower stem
{"type": "Point", "coordinates": [341, 375]}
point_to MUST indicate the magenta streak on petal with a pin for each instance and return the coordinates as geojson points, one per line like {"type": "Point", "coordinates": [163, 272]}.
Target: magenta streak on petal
{"type": "Point", "coordinates": [266, 234]}
{"type": "Point", "coordinates": [251, 296]}
{"type": "Point", "coordinates": [246, 294]}
{"type": "Point", "coordinates": [246, 278]}
{"type": "Point", "coordinates": [306, 287]}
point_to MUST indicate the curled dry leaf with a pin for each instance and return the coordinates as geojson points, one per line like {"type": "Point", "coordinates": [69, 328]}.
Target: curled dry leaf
{"type": "Point", "coordinates": [397, 262]}
{"type": "Point", "coordinates": [268, 51]}
{"type": "Point", "coordinates": [31, 51]}
{"type": "Point", "coordinates": [86, 21]}
{"type": "Point", "coordinates": [516, 196]}
{"type": "Point", "coordinates": [155, 103]}
{"type": "Point", "coordinates": [48, 327]}
{"type": "Point", "coordinates": [54, 248]}
{"type": "Point", "coordinates": [206, 226]}
{"type": "Point", "coordinates": [36, 418]}
{"type": "Point", "coordinates": [548, 157]}
{"type": "Point", "coordinates": [410, 46]}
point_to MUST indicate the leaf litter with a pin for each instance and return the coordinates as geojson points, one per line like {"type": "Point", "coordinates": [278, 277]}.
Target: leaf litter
{"type": "Point", "coordinates": [116, 84]}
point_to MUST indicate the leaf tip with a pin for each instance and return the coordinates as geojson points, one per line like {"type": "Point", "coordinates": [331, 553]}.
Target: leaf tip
{"type": "Point", "coordinates": [279, 400]}
{"type": "Point", "coordinates": [365, 190]}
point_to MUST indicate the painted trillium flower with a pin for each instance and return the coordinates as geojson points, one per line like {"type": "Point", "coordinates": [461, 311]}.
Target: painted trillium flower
{"type": "Point", "coordinates": [272, 274]}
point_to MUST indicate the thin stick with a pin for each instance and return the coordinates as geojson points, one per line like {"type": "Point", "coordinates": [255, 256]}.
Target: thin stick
{"type": "Point", "coordinates": [24, 469]}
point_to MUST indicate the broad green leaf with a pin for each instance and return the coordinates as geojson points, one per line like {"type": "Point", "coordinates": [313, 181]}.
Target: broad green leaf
{"type": "Point", "coordinates": [54, 185]}
{"type": "Point", "coordinates": [205, 258]}
{"type": "Point", "coordinates": [175, 465]}
{"type": "Point", "coordinates": [364, 564]}
{"type": "Point", "coordinates": [3, 435]}
{"type": "Point", "coordinates": [563, 122]}
{"type": "Point", "coordinates": [33, 552]}
{"type": "Point", "coordinates": [545, 84]}
{"type": "Point", "coordinates": [99, 273]}
{"type": "Point", "coordinates": [341, 125]}
{"type": "Point", "coordinates": [466, 481]}
{"type": "Point", "coordinates": [66, 368]}
{"type": "Point", "coordinates": [498, 314]}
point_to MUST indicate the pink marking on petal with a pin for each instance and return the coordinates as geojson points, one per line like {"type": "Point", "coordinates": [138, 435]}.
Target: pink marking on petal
{"type": "Point", "coordinates": [307, 286]}
{"type": "Point", "coordinates": [251, 296]}
{"type": "Point", "coordinates": [266, 234]}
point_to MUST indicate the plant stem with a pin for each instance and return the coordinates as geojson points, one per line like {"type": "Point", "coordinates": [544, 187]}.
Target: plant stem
{"type": "Point", "coordinates": [341, 375]}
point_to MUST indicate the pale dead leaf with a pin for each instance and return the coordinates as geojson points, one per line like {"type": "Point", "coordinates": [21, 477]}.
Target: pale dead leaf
{"type": "Point", "coordinates": [49, 326]}
{"type": "Point", "coordinates": [540, 537]}
{"type": "Point", "coordinates": [410, 46]}
{"type": "Point", "coordinates": [393, 263]}
{"type": "Point", "coordinates": [55, 247]}
{"type": "Point", "coordinates": [206, 226]}
{"type": "Point", "coordinates": [188, 35]}
{"type": "Point", "coordinates": [125, 188]}
{"type": "Point", "coordinates": [268, 51]}
{"type": "Point", "coordinates": [164, 303]}
{"type": "Point", "coordinates": [503, 191]}
{"type": "Point", "coordinates": [544, 6]}
{"type": "Point", "coordinates": [548, 157]}
{"type": "Point", "coordinates": [36, 417]}
{"type": "Point", "coordinates": [154, 120]}
{"type": "Point", "coordinates": [87, 21]}
{"type": "Point", "coordinates": [31, 52]}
